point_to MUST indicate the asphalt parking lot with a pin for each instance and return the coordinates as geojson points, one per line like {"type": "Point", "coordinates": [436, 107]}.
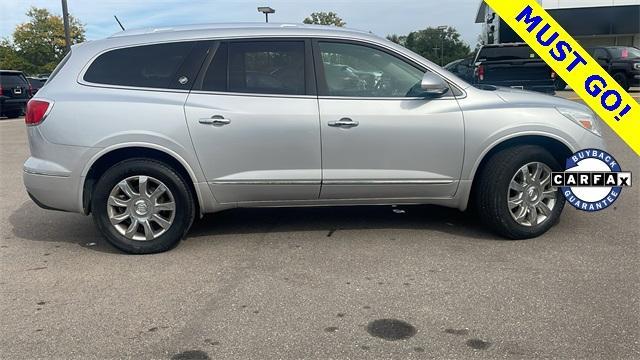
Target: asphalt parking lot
{"type": "Point", "coordinates": [310, 283]}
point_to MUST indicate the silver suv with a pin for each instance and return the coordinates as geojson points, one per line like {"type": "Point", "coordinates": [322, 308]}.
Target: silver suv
{"type": "Point", "coordinates": [148, 129]}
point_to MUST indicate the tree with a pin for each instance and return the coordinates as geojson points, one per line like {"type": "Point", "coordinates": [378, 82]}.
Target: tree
{"type": "Point", "coordinates": [400, 40]}
{"type": "Point", "coordinates": [325, 18]}
{"type": "Point", "coordinates": [40, 42]}
{"type": "Point", "coordinates": [9, 58]}
{"type": "Point", "coordinates": [430, 41]}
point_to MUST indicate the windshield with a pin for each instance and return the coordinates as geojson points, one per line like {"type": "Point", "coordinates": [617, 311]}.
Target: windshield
{"type": "Point", "coordinates": [624, 52]}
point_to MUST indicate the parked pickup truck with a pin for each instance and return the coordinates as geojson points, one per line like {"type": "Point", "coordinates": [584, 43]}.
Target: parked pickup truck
{"type": "Point", "coordinates": [621, 62]}
{"type": "Point", "coordinates": [509, 65]}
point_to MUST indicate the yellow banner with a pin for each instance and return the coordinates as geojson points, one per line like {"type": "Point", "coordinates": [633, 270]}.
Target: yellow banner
{"type": "Point", "coordinates": [576, 67]}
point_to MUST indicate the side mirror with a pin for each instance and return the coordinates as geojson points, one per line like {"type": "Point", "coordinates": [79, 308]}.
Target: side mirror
{"type": "Point", "coordinates": [433, 85]}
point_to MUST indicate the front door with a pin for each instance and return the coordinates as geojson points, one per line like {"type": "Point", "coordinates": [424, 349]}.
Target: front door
{"type": "Point", "coordinates": [380, 139]}
{"type": "Point", "coordinates": [253, 118]}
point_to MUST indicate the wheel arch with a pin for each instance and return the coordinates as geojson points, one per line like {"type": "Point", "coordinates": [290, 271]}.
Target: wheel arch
{"type": "Point", "coordinates": [111, 156]}
{"type": "Point", "coordinates": [558, 148]}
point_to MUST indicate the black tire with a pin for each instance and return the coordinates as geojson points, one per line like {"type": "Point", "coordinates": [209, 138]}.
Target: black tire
{"type": "Point", "coordinates": [177, 185]}
{"type": "Point", "coordinates": [13, 114]}
{"type": "Point", "coordinates": [559, 84]}
{"type": "Point", "coordinates": [621, 79]}
{"type": "Point", "coordinates": [492, 187]}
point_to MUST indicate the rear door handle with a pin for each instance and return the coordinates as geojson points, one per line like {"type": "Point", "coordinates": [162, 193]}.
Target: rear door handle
{"type": "Point", "coordinates": [216, 120]}
{"type": "Point", "coordinates": [344, 122]}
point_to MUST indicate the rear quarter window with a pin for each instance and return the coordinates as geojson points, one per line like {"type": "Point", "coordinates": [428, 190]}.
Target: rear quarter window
{"type": "Point", "coordinates": [507, 53]}
{"type": "Point", "coordinates": [150, 66]}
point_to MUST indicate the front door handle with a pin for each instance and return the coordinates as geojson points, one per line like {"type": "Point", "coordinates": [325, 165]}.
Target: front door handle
{"type": "Point", "coordinates": [216, 120]}
{"type": "Point", "coordinates": [344, 122]}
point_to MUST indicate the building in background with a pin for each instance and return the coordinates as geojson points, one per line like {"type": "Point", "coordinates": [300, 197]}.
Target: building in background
{"type": "Point", "coordinates": [590, 22]}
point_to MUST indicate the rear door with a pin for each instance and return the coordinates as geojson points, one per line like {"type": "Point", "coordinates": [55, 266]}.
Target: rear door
{"type": "Point", "coordinates": [253, 118]}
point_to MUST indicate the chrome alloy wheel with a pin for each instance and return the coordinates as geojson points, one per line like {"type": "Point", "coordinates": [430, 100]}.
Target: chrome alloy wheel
{"type": "Point", "coordinates": [531, 198]}
{"type": "Point", "coordinates": [141, 208]}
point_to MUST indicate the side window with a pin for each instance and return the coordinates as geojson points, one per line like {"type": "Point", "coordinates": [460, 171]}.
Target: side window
{"type": "Point", "coordinates": [600, 54]}
{"type": "Point", "coordinates": [360, 71]}
{"type": "Point", "coordinates": [215, 77]}
{"type": "Point", "coordinates": [266, 67]}
{"type": "Point", "coordinates": [152, 66]}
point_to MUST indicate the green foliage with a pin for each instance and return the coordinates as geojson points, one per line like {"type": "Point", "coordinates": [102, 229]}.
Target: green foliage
{"type": "Point", "coordinates": [9, 58]}
{"type": "Point", "coordinates": [39, 44]}
{"type": "Point", "coordinates": [430, 41]}
{"type": "Point", "coordinates": [325, 18]}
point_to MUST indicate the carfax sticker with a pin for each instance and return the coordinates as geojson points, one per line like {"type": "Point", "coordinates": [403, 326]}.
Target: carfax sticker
{"type": "Point", "coordinates": [593, 180]}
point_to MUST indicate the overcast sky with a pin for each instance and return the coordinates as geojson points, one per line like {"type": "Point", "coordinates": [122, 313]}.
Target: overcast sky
{"type": "Point", "coordinates": [382, 17]}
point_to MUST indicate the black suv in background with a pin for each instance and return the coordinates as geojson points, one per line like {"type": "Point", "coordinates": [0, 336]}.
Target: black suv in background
{"type": "Point", "coordinates": [510, 65]}
{"type": "Point", "coordinates": [15, 91]}
{"type": "Point", "coordinates": [621, 62]}
{"type": "Point", "coordinates": [36, 83]}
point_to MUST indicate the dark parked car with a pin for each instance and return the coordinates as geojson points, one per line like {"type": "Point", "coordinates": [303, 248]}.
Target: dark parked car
{"type": "Point", "coordinates": [510, 65]}
{"type": "Point", "coordinates": [36, 84]}
{"type": "Point", "coordinates": [14, 93]}
{"type": "Point", "coordinates": [463, 68]}
{"type": "Point", "coordinates": [621, 62]}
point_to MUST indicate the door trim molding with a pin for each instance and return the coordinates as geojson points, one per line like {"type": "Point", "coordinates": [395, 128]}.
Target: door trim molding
{"type": "Point", "coordinates": [331, 182]}
{"type": "Point", "coordinates": [387, 182]}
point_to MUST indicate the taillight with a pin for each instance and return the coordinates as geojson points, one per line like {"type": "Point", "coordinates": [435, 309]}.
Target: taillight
{"type": "Point", "coordinates": [480, 72]}
{"type": "Point", "coordinates": [36, 111]}
{"type": "Point", "coordinates": [30, 90]}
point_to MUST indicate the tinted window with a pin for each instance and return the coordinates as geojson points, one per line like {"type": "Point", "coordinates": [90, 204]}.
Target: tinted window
{"type": "Point", "coordinates": [625, 52]}
{"type": "Point", "coordinates": [12, 79]}
{"type": "Point", "coordinates": [268, 67]}
{"type": "Point", "coordinates": [215, 78]}
{"type": "Point", "coordinates": [151, 66]}
{"type": "Point", "coordinates": [600, 54]}
{"type": "Point", "coordinates": [360, 71]}
{"type": "Point", "coordinates": [506, 53]}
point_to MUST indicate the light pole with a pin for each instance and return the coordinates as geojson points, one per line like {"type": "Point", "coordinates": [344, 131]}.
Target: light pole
{"type": "Point", "coordinates": [266, 11]}
{"type": "Point", "coordinates": [65, 18]}
{"type": "Point", "coordinates": [442, 28]}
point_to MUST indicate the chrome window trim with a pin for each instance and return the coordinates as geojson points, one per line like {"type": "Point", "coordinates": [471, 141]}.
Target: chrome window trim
{"type": "Point", "coordinates": [80, 78]}
{"type": "Point", "coordinates": [226, 93]}
{"type": "Point", "coordinates": [385, 98]}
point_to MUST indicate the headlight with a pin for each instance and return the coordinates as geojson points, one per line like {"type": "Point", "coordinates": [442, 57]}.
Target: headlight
{"type": "Point", "coordinates": [585, 119]}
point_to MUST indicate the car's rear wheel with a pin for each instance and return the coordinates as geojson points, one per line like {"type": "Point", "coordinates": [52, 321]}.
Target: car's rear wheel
{"type": "Point", "coordinates": [514, 194]}
{"type": "Point", "coordinates": [142, 206]}
{"type": "Point", "coordinates": [621, 79]}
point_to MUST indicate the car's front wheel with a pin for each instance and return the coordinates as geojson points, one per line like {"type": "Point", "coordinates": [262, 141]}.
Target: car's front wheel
{"type": "Point", "coordinates": [559, 84]}
{"type": "Point", "coordinates": [514, 194]}
{"type": "Point", "coordinates": [142, 206]}
{"type": "Point", "coordinates": [621, 79]}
